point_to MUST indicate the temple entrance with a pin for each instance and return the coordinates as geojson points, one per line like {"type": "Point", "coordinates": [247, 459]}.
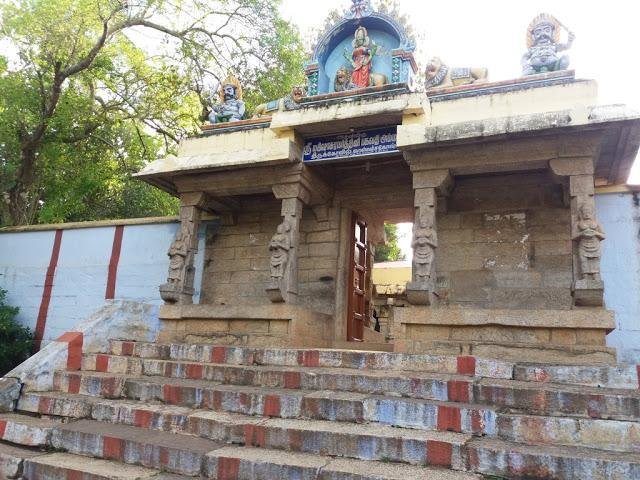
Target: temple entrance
{"type": "Point", "coordinates": [359, 281]}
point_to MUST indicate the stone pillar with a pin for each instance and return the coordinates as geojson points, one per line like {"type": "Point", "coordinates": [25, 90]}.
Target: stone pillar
{"type": "Point", "coordinates": [427, 184]}
{"type": "Point", "coordinates": [586, 234]}
{"type": "Point", "coordinates": [283, 246]}
{"type": "Point", "coordinates": [179, 287]}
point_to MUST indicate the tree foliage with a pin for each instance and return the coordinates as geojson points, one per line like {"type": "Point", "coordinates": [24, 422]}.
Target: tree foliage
{"type": "Point", "coordinates": [92, 89]}
{"type": "Point", "coordinates": [16, 341]}
{"type": "Point", "coordinates": [390, 251]}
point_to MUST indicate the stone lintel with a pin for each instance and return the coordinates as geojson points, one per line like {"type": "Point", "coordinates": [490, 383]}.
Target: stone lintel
{"type": "Point", "coordinates": [564, 167]}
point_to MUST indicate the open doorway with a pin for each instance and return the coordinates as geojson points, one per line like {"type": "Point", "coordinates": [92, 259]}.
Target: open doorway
{"type": "Point", "coordinates": [380, 267]}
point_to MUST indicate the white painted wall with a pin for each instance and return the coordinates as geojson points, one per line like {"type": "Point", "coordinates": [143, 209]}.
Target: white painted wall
{"type": "Point", "coordinates": [81, 275]}
{"type": "Point", "coordinates": [619, 214]}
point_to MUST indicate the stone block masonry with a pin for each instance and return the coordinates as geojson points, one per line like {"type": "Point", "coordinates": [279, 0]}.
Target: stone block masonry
{"type": "Point", "coordinates": [505, 244]}
{"type": "Point", "coordinates": [237, 257]}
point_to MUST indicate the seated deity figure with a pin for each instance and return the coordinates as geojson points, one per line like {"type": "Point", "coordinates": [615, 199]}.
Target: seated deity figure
{"type": "Point", "coordinates": [230, 107]}
{"type": "Point", "coordinates": [424, 244]}
{"type": "Point", "coordinates": [543, 42]}
{"type": "Point", "coordinates": [589, 235]}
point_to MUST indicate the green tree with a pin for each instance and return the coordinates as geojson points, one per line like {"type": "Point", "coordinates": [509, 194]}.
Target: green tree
{"type": "Point", "coordinates": [92, 90]}
{"type": "Point", "coordinates": [16, 341]}
{"type": "Point", "coordinates": [390, 251]}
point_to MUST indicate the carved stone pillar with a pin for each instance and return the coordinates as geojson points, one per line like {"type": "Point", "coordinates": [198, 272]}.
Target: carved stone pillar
{"type": "Point", "coordinates": [427, 185]}
{"type": "Point", "coordinates": [179, 287]}
{"type": "Point", "coordinates": [586, 234]}
{"type": "Point", "coordinates": [283, 247]}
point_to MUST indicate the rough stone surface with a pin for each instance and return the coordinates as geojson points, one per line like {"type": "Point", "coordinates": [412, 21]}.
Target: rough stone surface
{"type": "Point", "coordinates": [9, 393]}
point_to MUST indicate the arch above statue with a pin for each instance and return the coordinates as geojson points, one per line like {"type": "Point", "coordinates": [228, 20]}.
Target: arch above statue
{"type": "Point", "coordinates": [373, 47]}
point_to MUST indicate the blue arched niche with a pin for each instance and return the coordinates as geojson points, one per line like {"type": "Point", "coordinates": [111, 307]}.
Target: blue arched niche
{"type": "Point", "coordinates": [329, 53]}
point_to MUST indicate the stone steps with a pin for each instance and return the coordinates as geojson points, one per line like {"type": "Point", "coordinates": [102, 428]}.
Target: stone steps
{"type": "Point", "coordinates": [416, 385]}
{"type": "Point", "coordinates": [232, 463]}
{"type": "Point", "coordinates": [509, 460]}
{"type": "Point", "coordinates": [260, 413]}
{"type": "Point", "coordinates": [520, 396]}
{"type": "Point", "coordinates": [169, 452]}
{"type": "Point", "coordinates": [192, 456]}
{"type": "Point", "coordinates": [329, 358]}
{"type": "Point", "coordinates": [601, 376]}
{"type": "Point", "coordinates": [29, 464]}
{"type": "Point", "coordinates": [621, 376]}
{"type": "Point", "coordinates": [622, 436]}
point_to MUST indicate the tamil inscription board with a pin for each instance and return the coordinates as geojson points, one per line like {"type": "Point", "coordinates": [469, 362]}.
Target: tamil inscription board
{"type": "Point", "coordinates": [364, 143]}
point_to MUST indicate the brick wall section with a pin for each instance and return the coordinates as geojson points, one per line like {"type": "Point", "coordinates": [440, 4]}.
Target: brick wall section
{"type": "Point", "coordinates": [237, 257]}
{"type": "Point", "coordinates": [505, 243]}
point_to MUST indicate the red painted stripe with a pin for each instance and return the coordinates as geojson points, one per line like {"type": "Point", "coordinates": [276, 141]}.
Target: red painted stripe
{"type": "Point", "coordinates": [3, 427]}
{"type": "Point", "coordinates": [449, 418]}
{"type": "Point", "coordinates": [467, 366]}
{"type": "Point", "coordinates": [228, 468]}
{"type": "Point", "coordinates": [439, 453]}
{"type": "Point", "coordinates": [41, 323]}
{"type": "Point", "coordinates": [74, 345]}
{"type": "Point", "coordinates": [110, 294]}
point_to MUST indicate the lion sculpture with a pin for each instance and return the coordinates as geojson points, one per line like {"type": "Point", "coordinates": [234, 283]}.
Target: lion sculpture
{"type": "Point", "coordinates": [439, 75]}
{"type": "Point", "coordinates": [342, 81]}
{"type": "Point", "coordinates": [289, 102]}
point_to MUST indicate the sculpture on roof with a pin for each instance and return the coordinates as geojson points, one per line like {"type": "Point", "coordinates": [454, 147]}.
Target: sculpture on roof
{"type": "Point", "coordinates": [230, 107]}
{"type": "Point", "coordinates": [289, 102]}
{"type": "Point", "coordinates": [438, 74]}
{"type": "Point", "coordinates": [364, 51]}
{"type": "Point", "coordinates": [543, 42]}
{"type": "Point", "coordinates": [360, 8]}
{"type": "Point", "coordinates": [342, 81]}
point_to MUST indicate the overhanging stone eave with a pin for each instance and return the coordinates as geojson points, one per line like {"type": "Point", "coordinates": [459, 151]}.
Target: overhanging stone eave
{"type": "Point", "coordinates": [614, 121]}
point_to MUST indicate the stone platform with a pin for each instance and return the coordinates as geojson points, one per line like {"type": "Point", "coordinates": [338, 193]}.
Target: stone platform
{"type": "Point", "coordinates": [172, 411]}
{"type": "Point", "coordinates": [547, 336]}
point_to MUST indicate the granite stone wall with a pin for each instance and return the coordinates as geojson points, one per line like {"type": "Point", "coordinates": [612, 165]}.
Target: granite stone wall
{"type": "Point", "coordinates": [504, 242]}
{"type": "Point", "coordinates": [237, 257]}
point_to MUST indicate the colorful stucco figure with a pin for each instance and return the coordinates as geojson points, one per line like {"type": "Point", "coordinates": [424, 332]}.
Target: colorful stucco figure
{"type": "Point", "coordinates": [544, 47]}
{"type": "Point", "coordinates": [230, 107]}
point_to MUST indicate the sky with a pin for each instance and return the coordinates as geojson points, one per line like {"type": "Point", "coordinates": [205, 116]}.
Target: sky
{"type": "Point", "coordinates": [491, 33]}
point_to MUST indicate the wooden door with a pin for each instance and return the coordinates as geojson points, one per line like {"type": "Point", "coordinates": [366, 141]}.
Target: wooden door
{"type": "Point", "coordinates": [359, 279]}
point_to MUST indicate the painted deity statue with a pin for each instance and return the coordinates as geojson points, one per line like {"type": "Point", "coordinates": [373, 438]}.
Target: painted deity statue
{"type": "Point", "coordinates": [364, 51]}
{"type": "Point", "coordinates": [230, 107]}
{"type": "Point", "coordinates": [543, 42]}
{"type": "Point", "coordinates": [279, 247]}
{"type": "Point", "coordinates": [424, 244]}
{"type": "Point", "coordinates": [589, 235]}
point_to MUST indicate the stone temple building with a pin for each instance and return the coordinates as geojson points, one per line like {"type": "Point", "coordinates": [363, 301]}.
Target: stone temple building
{"type": "Point", "coordinates": [498, 179]}
{"type": "Point", "coordinates": [495, 363]}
